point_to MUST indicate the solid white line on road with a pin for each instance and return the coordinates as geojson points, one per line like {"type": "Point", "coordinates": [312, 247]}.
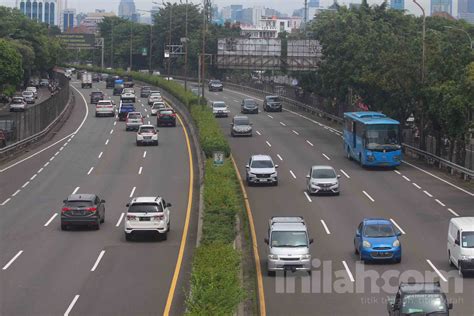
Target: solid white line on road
{"type": "Point", "coordinates": [368, 196]}
{"type": "Point", "coordinates": [106, 142]}
{"type": "Point", "coordinates": [349, 273]}
{"type": "Point", "coordinates": [406, 178]}
{"type": "Point", "coordinates": [295, 132]}
{"type": "Point", "coordinates": [292, 174]}
{"type": "Point", "coordinates": [5, 202]}
{"type": "Point", "coordinates": [12, 260]}
{"type": "Point", "coordinates": [279, 157]}
{"type": "Point", "coordinates": [325, 156]}
{"type": "Point", "coordinates": [269, 116]}
{"type": "Point", "coordinates": [144, 154]}
{"type": "Point", "coordinates": [439, 202]}
{"type": "Point", "coordinates": [453, 212]}
{"type": "Point", "coordinates": [100, 155]}
{"type": "Point", "coordinates": [111, 131]}
{"type": "Point", "coordinates": [75, 190]}
{"type": "Point", "coordinates": [140, 170]}
{"type": "Point", "coordinates": [398, 226]}
{"type": "Point", "coordinates": [16, 192]}
{"type": "Point", "coordinates": [344, 173]}
{"type": "Point", "coordinates": [269, 145]}
{"type": "Point", "coordinates": [46, 164]}
{"type": "Point", "coordinates": [90, 170]}
{"type": "Point", "coordinates": [51, 219]}
{"type": "Point", "coordinates": [98, 260]}
{"type": "Point", "coordinates": [307, 196]}
{"type": "Point", "coordinates": [436, 270]}
{"type": "Point", "coordinates": [258, 132]}
{"type": "Point", "coordinates": [25, 184]}
{"type": "Point", "coordinates": [133, 191]}
{"type": "Point", "coordinates": [40, 170]}
{"type": "Point", "coordinates": [397, 172]}
{"type": "Point", "coordinates": [282, 124]}
{"type": "Point", "coordinates": [71, 305]}
{"type": "Point", "coordinates": [325, 227]}
{"type": "Point", "coordinates": [311, 144]}
{"type": "Point", "coordinates": [428, 193]}
{"type": "Point", "coordinates": [416, 185]}
{"type": "Point", "coordinates": [33, 177]}
{"type": "Point", "coordinates": [119, 220]}
{"type": "Point", "coordinates": [440, 179]}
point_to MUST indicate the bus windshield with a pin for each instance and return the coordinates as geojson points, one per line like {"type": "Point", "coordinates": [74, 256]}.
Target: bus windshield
{"type": "Point", "coordinates": [382, 137]}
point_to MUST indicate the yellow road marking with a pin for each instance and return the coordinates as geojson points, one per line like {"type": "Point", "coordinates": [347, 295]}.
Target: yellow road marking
{"type": "Point", "coordinates": [261, 293]}
{"type": "Point", "coordinates": [182, 246]}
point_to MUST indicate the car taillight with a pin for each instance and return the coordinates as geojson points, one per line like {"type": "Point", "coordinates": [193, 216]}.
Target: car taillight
{"type": "Point", "coordinates": [65, 209]}
{"type": "Point", "coordinates": [158, 217]}
{"type": "Point", "coordinates": [126, 119]}
{"type": "Point", "coordinates": [131, 217]}
{"type": "Point", "coordinates": [91, 209]}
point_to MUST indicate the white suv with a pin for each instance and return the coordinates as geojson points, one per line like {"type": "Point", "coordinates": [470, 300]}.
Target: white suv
{"type": "Point", "coordinates": [147, 214]}
{"type": "Point", "coordinates": [220, 109]}
{"type": "Point", "coordinates": [147, 134]}
{"type": "Point", "coordinates": [261, 169]}
{"type": "Point", "coordinates": [105, 107]}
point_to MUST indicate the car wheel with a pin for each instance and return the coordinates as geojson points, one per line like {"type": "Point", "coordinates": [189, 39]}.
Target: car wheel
{"type": "Point", "coordinates": [169, 227]}
{"type": "Point", "coordinates": [275, 183]}
{"type": "Point", "coordinates": [128, 237]}
{"type": "Point", "coordinates": [360, 161]}
{"type": "Point", "coordinates": [97, 225]}
{"type": "Point", "coordinates": [103, 219]}
{"type": "Point", "coordinates": [64, 227]}
{"type": "Point", "coordinates": [451, 264]}
{"type": "Point", "coordinates": [271, 273]}
{"type": "Point", "coordinates": [398, 260]}
{"type": "Point", "coordinates": [460, 271]}
{"type": "Point", "coordinates": [360, 258]}
{"type": "Point", "coordinates": [356, 251]}
{"type": "Point", "coordinates": [164, 236]}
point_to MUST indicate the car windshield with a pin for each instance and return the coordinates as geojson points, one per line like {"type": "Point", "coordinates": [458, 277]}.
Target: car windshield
{"type": "Point", "coordinates": [241, 121]}
{"type": "Point", "coordinates": [127, 90]}
{"type": "Point", "coordinates": [17, 100]}
{"type": "Point", "coordinates": [134, 115]}
{"type": "Point", "coordinates": [158, 105]}
{"type": "Point", "coordinates": [96, 94]}
{"type": "Point", "coordinates": [323, 174]}
{"type": "Point", "coordinates": [219, 105]}
{"type": "Point", "coordinates": [289, 239]}
{"type": "Point", "coordinates": [215, 82]}
{"type": "Point", "coordinates": [467, 240]}
{"type": "Point", "coordinates": [378, 231]}
{"type": "Point", "coordinates": [147, 129]}
{"type": "Point", "coordinates": [423, 304]}
{"type": "Point", "coordinates": [250, 102]}
{"type": "Point", "coordinates": [262, 164]}
{"type": "Point", "coordinates": [78, 203]}
{"type": "Point", "coordinates": [27, 93]}
{"type": "Point", "coordinates": [382, 136]}
{"type": "Point", "coordinates": [273, 99]}
{"type": "Point", "coordinates": [166, 112]}
{"type": "Point", "coordinates": [145, 208]}
{"type": "Point", "coordinates": [146, 88]}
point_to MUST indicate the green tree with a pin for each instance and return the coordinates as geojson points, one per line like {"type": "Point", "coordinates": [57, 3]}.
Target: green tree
{"type": "Point", "coordinates": [11, 70]}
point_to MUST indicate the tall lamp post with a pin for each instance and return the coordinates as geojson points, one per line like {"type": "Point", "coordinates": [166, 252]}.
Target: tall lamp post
{"type": "Point", "coordinates": [423, 64]}
{"type": "Point", "coordinates": [131, 44]}
{"type": "Point", "coordinates": [151, 39]}
{"type": "Point", "coordinates": [465, 32]}
{"type": "Point", "coordinates": [186, 48]}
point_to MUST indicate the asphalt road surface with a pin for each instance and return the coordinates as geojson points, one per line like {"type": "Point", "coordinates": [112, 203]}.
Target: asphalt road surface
{"type": "Point", "coordinates": [43, 94]}
{"type": "Point", "coordinates": [46, 271]}
{"type": "Point", "coordinates": [418, 203]}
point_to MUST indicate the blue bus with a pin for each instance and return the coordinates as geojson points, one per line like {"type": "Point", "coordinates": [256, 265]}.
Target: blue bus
{"type": "Point", "coordinates": [372, 139]}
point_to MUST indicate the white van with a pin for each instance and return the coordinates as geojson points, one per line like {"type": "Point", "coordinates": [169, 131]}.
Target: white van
{"type": "Point", "coordinates": [461, 244]}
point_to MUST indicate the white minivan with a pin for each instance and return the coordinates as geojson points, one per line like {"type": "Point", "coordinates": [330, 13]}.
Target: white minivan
{"type": "Point", "coordinates": [461, 244]}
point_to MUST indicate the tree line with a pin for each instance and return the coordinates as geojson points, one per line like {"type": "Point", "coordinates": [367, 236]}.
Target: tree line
{"type": "Point", "coordinates": [27, 48]}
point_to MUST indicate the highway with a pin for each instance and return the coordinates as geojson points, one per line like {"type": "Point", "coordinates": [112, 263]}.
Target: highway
{"type": "Point", "coordinates": [46, 271]}
{"type": "Point", "coordinates": [417, 201]}
{"type": "Point", "coordinates": [43, 94]}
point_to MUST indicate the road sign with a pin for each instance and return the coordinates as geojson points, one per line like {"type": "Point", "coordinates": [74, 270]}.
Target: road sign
{"type": "Point", "coordinates": [144, 51]}
{"type": "Point", "coordinates": [218, 158]}
{"type": "Point", "coordinates": [78, 41]}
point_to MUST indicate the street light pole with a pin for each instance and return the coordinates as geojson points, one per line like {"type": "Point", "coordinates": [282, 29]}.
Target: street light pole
{"type": "Point", "coordinates": [151, 43]}
{"type": "Point", "coordinates": [131, 44]}
{"type": "Point", "coordinates": [169, 42]}
{"type": "Point", "coordinates": [186, 48]}
{"type": "Point", "coordinates": [112, 48]}
{"type": "Point", "coordinates": [203, 54]}
{"type": "Point", "coordinates": [422, 120]}
{"type": "Point", "coordinates": [465, 32]}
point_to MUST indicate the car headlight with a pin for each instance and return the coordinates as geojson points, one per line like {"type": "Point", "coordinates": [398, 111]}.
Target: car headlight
{"type": "Point", "coordinates": [251, 174]}
{"type": "Point", "coordinates": [273, 257]}
{"type": "Point", "coordinates": [366, 244]}
{"type": "Point", "coordinates": [396, 243]}
{"type": "Point", "coordinates": [274, 174]}
{"type": "Point", "coordinates": [334, 184]}
{"type": "Point", "coordinates": [306, 257]}
{"type": "Point", "coordinates": [465, 257]}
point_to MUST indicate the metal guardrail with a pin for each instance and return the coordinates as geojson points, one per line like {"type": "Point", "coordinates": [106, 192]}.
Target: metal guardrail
{"type": "Point", "coordinates": [50, 116]}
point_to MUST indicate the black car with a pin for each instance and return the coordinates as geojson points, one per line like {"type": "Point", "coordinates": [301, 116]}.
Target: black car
{"type": "Point", "coordinates": [249, 106]}
{"type": "Point", "coordinates": [272, 103]}
{"type": "Point", "coordinates": [166, 117]}
{"type": "Point", "coordinates": [215, 85]}
{"type": "Point", "coordinates": [96, 96]}
{"type": "Point", "coordinates": [82, 210]}
{"type": "Point", "coordinates": [95, 78]}
{"type": "Point", "coordinates": [110, 82]}
{"type": "Point", "coordinates": [420, 299]}
{"type": "Point", "coordinates": [145, 92]}
{"type": "Point", "coordinates": [118, 88]}
{"type": "Point", "coordinates": [240, 126]}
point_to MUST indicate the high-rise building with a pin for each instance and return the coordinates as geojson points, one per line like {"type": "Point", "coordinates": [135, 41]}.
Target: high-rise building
{"type": "Point", "coordinates": [127, 10]}
{"type": "Point", "coordinates": [69, 15]}
{"type": "Point", "coordinates": [397, 4]}
{"type": "Point", "coordinates": [442, 6]}
{"type": "Point", "coordinates": [45, 11]}
{"type": "Point", "coordinates": [313, 3]}
{"type": "Point", "coordinates": [257, 14]}
{"type": "Point", "coordinates": [154, 10]}
{"type": "Point", "coordinates": [236, 12]}
{"type": "Point", "coordinates": [466, 10]}
{"type": "Point", "coordinates": [246, 16]}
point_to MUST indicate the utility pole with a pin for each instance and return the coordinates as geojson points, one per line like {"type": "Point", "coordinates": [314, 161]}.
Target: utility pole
{"type": "Point", "coordinates": [305, 19]}
{"type": "Point", "coordinates": [206, 5]}
{"type": "Point", "coordinates": [131, 44]}
{"type": "Point", "coordinates": [169, 41]}
{"type": "Point", "coordinates": [151, 43]}
{"type": "Point", "coordinates": [186, 49]}
{"type": "Point", "coordinates": [112, 48]}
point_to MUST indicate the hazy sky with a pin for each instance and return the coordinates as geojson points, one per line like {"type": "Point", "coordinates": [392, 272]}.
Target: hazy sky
{"type": "Point", "coordinates": [285, 6]}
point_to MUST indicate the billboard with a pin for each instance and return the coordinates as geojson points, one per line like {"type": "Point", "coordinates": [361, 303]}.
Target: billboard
{"type": "Point", "coordinates": [303, 54]}
{"type": "Point", "coordinates": [245, 53]}
{"type": "Point", "coordinates": [78, 41]}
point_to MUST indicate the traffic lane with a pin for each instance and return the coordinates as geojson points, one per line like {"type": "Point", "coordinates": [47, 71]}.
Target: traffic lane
{"type": "Point", "coordinates": [43, 94]}
{"type": "Point", "coordinates": [16, 172]}
{"type": "Point", "coordinates": [350, 237]}
{"type": "Point", "coordinates": [325, 138]}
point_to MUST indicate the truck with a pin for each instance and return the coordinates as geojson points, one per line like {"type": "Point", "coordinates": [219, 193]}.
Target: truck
{"type": "Point", "coordinates": [86, 80]}
{"type": "Point", "coordinates": [110, 82]}
{"type": "Point", "coordinates": [124, 109]}
{"type": "Point", "coordinates": [118, 87]}
{"type": "Point", "coordinates": [128, 82]}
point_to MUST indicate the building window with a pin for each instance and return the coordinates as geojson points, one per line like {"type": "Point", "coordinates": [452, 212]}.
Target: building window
{"type": "Point", "coordinates": [40, 11]}
{"type": "Point", "coordinates": [28, 9]}
{"type": "Point", "coordinates": [35, 11]}
{"type": "Point", "coordinates": [22, 7]}
{"type": "Point", "coordinates": [46, 12]}
{"type": "Point", "coordinates": [51, 14]}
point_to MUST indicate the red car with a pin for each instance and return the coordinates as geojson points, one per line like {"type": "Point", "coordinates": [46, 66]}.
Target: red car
{"type": "Point", "coordinates": [166, 117]}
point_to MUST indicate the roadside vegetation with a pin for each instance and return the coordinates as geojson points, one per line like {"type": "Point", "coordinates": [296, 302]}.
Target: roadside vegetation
{"type": "Point", "coordinates": [216, 285]}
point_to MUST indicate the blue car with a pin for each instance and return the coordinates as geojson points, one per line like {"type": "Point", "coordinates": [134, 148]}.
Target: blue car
{"type": "Point", "coordinates": [378, 239]}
